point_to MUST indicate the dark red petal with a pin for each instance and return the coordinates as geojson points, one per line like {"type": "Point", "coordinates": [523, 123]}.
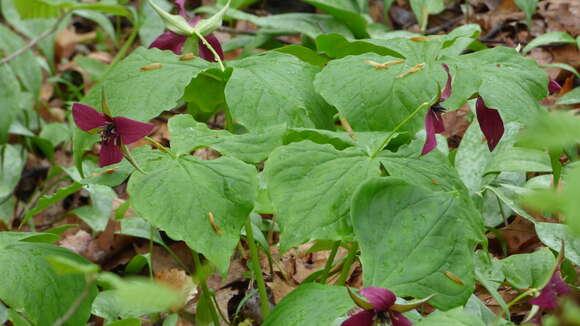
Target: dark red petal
{"type": "Point", "coordinates": [555, 288]}
{"type": "Point", "coordinates": [398, 319]}
{"type": "Point", "coordinates": [363, 318]}
{"type": "Point", "coordinates": [433, 125]}
{"type": "Point", "coordinates": [447, 90]}
{"type": "Point", "coordinates": [87, 118]}
{"type": "Point", "coordinates": [131, 131]}
{"type": "Point", "coordinates": [553, 86]}
{"type": "Point", "coordinates": [490, 123]}
{"type": "Point", "coordinates": [204, 51]}
{"type": "Point", "coordinates": [110, 154]}
{"type": "Point", "coordinates": [181, 5]}
{"type": "Point", "coordinates": [381, 299]}
{"type": "Point", "coordinates": [169, 41]}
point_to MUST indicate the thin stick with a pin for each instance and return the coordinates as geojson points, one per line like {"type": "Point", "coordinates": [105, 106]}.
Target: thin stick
{"type": "Point", "coordinates": [264, 302]}
{"type": "Point", "coordinates": [34, 41]}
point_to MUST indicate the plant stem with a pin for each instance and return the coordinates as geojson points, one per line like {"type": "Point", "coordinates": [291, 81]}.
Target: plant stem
{"type": "Point", "coordinates": [329, 262]}
{"type": "Point", "coordinates": [160, 147]}
{"type": "Point", "coordinates": [399, 126]}
{"type": "Point", "coordinates": [205, 289]}
{"type": "Point", "coordinates": [212, 50]}
{"type": "Point", "coordinates": [151, 233]}
{"type": "Point", "coordinates": [35, 40]}
{"type": "Point", "coordinates": [347, 264]}
{"type": "Point", "coordinates": [123, 51]}
{"type": "Point", "coordinates": [264, 302]}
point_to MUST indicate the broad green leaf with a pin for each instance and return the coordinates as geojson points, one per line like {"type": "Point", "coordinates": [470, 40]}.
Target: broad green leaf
{"type": "Point", "coordinates": [375, 100]}
{"type": "Point", "coordinates": [505, 80]}
{"type": "Point", "coordinates": [529, 8]}
{"type": "Point", "coordinates": [548, 38]}
{"type": "Point", "coordinates": [7, 205]}
{"type": "Point", "coordinates": [23, 66]}
{"type": "Point", "coordinates": [111, 175]}
{"type": "Point", "coordinates": [97, 214]}
{"type": "Point", "coordinates": [455, 317]}
{"type": "Point", "coordinates": [48, 200]}
{"type": "Point", "coordinates": [305, 54]}
{"type": "Point", "coordinates": [188, 135]}
{"type": "Point", "coordinates": [276, 88]}
{"type": "Point", "coordinates": [138, 94]}
{"type": "Point", "coordinates": [410, 237]}
{"type": "Point", "coordinates": [338, 46]}
{"type": "Point", "coordinates": [507, 197]}
{"type": "Point", "coordinates": [10, 104]}
{"type": "Point", "coordinates": [126, 322]}
{"type": "Point", "coordinates": [106, 8]}
{"type": "Point", "coordinates": [525, 271]}
{"type": "Point", "coordinates": [434, 172]}
{"type": "Point", "coordinates": [345, 11]}
{"type": "Point", "coordinates": [519, 159]}
{"type": "Point", "coordinates": [237, 4]}
{"type": "Point", "coordinates": [477, 308]}
{"type": "Point", "coordinates": [31, 285]}
{"type": "Point", "coordinates": [105, 23]}
{"type": "Point", "coordinates": [572, 97]}
{"type": "Point", "coordinates": [205, 95]}
{"type": "Point", "coordinates": [9, 237]}
{"type": "Point", "coordinates": [310, 304]}
{"type": "Point", "coordinates": [310, 25]}
{"type": "Point", "coordinates": [12, 161]}
{"type": "Point", "coordinates": [489, 274]}
{"type": "Point", "coordinates": [28, 9]}
{"type": "Point", "coordinates": [552, 235]}
{"type": "Point", "coordinates": [56, 133]}
{"type": "Point", "coordinates": [63, 265]}
{"type": "Point", "coordinates": [138, 227]}
{"type": "Point", "coordinates": [311, 185]}
{"type": "Point", "coordinates": [224, 187]}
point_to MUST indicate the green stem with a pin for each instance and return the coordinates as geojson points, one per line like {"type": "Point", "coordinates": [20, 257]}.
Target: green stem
{"type": "Point", "coordinates": [159, 146]}
{"type": "Point", "coordinates": [347, 264]}
{"type": "Point", "coordinates": [264, 302]}
{"type": "Point", "coordinates": [205, 290]}
{"type": "Point", "coordinates": [212, 50]}
{"type": "Point", "coordinates": [151, 232]}
{"type": "Point", "coordinates": [399, 126]}
{"type": "Point", "coordinates": [329, 262]}
{"type": "Point", "coordinates": [123, 51]}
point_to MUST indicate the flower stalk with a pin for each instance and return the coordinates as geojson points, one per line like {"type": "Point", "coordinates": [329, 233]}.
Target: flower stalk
{"type": "Point", "coordinates": [264, 302]}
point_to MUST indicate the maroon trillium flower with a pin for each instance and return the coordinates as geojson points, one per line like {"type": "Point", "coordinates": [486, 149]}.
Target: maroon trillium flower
{"type": "Point", "coordinates": [174, 42]}
{"type": "Point", "coordinates": [115, 132]}
{"type": "Point", "coordinates": [553, 86]}
{"type": "Point", "coordinates": [548, 298]}
{"type": "Point", "coordinates": [378, 309]}
{"type": "Point", "coordinates": [489, 120]}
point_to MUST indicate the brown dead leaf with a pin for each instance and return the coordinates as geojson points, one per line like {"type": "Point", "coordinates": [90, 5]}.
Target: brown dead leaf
{"type": "Point", "coordinates": [66, 42]}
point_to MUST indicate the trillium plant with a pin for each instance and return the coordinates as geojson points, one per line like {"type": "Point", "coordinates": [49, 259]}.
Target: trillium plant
{"type": "Point", "coordinates": [394, 166]}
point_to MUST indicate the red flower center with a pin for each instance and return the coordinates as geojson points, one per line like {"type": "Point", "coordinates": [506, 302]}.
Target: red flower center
{"type": "Point", "coordinates": [109, 134]}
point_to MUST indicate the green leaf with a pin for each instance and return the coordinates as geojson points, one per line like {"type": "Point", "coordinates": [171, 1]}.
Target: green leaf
{"type": "Point", "coordinates": [12, 161]}
{"type": "Point", "coordinates": [525, 271]}
{"type": "Point", "coordinates": [188, 135]}
{"type": "Point", "coordinates": [410, 238]}
{"type": "Point", "coordinates": [519, 159]}
{"type": "Point", "coordinates": [311, 303]}
{"type": "Point", "coordinates": [552, 235]}
{"type": "Point", "coordinates": [434, 172]}
{"type": "Point", "coordinates": [106, 8]}
{"type": "Point", "coordinates": [505, 80]}
{"type": "Point", "coordinates": [29, 74]}
{"type": "Point", "coordinates": [276, 88]}
{"type": "Point", "coordinates": [337, 46]}
{"type": "Point", "coordinates": [305, 54]}
{"type": "Point", "coordinates": [225, 187]}
{"type": "Point", "coordinates": [455, 317]}
{"type": "Point", "coordinates": [97, 215]}
{"type": "Point", "coordinates": [477, 308]}
{"type": "Point", "coordinates": [205, 95]}
{"type": "Point", "coordinates": [56, 133]}
{"type": "Point", "coordinates": [488, 272]}
{"type": "Point", "coordinates": [529, 8]}
{"type": "Point", "coordinates": [126, 322]}
{"type": "Point", "coordinates": [48, 200]}
{"type": "Point", "coordinates": [345, 11]}
{"type": "Point", "coordinates": [138, 227]}
{"type": "Point", "coordinates": [28, 9]}
{"type": "Point", "coordinates": [10, 104]}
{"type": "Point", "coordinates": [572, 97]}
{"type": "Point", "coordinates": [375, 100]}
{"type": "Point", "coordinates": [311, 185]}
{"type": "Point", "coordinates": [137, 94]}
{"type": "Point", "coordinates": [549, 38]}
{"type": "Point", "coordinates": [33, 287]}
{"type": "Point", "coordinates": [8, 237]}
{"type": "Point", "coordinates": [63, 265]}
{"type": "Point", "coordinates": [310, 25]}
{"type": "Point", "coordinates": [423, 8]}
